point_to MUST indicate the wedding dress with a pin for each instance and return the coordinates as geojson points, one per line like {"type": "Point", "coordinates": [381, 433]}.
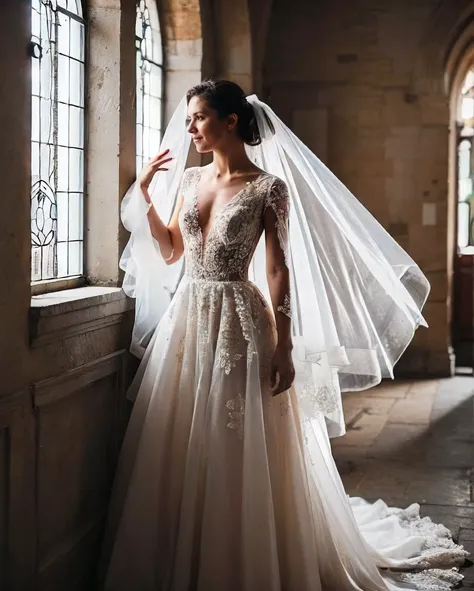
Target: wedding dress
{"type": "Point", "coordinates": [223, 487]}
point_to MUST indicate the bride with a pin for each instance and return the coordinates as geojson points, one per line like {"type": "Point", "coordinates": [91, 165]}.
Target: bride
{"type": "Point", "coordinates": [226, 479]}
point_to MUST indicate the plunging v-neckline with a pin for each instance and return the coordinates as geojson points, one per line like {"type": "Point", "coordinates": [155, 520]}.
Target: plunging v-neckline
{"type": "Point", "coordinates": [205, 240]}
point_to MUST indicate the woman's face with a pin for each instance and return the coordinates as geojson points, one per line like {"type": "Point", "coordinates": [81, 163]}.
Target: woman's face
{"type": "Point", "coordinates": [208, 131]}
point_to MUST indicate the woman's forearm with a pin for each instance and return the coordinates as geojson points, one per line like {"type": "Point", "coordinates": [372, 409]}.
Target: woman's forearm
{"type": "Point", "coordinates": [279, 286]}
{"type": "Point", "coordinates": [159, 230]}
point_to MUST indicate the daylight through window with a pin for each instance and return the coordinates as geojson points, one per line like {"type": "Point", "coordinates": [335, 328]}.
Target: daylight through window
{"type": "Point", "coordinates": [149, 81]}
{"type": "Point", "coordinates": [57, 150]}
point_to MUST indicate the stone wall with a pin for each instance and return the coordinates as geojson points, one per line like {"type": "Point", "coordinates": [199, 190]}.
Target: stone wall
{"type": "Point", "coordinates": [363, 83]}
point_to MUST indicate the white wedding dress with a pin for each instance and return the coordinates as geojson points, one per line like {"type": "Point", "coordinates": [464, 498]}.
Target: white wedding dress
{"type": "Point", "coordinates": [222, 487]}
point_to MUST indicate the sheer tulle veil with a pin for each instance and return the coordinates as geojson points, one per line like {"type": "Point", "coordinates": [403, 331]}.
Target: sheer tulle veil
{"type": "Point", "coordinates": [356, 295]}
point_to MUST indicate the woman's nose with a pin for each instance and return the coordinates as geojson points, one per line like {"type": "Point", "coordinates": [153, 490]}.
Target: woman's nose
{"type": "Point", "coordinates": [191, 127]}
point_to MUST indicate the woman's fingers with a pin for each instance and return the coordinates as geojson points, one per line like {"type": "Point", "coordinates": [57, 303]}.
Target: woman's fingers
{"type": "Point", "coordinates": [274, 379]}
{"type": "Point", "coordinates": [283, 385]}
{"type": "Point", "coordinates": [160, 162]}
{"type": "Point", "coordinates": [161, 155]}
{"type": "Point", "coordinates": [157, 158]}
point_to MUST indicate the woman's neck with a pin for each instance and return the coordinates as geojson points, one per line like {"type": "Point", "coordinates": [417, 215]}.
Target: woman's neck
{"type": "Point", "coordinates": [231, 162]}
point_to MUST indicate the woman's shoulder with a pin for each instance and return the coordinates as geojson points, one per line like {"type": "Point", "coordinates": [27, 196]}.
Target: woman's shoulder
{"type": "Point", "coordinates": [275, 184]}
{"type": "Point", "coordinates": [190, 177]}
{"type": "Point", "coordinates": [276, 193]}
{"type": "Point", "coordinates": [192, 171]}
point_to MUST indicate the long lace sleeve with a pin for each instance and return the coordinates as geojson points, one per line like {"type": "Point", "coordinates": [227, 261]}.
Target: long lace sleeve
{"type": "Point", "coordinates": [278, 201]}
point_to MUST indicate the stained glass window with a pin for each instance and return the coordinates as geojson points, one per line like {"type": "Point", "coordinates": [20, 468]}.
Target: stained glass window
{"type": "Point", "coordinates": [149, 81]}
{"type": "Point", "coordinates": [57, 142]}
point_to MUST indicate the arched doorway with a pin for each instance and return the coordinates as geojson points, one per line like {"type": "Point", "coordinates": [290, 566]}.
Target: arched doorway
{"type": "Point", "coordinates": [462, 141]}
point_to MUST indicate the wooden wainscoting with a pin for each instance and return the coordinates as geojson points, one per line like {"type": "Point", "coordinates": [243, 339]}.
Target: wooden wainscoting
{"type": "Point", "coordinates": [78, 429]}
{"type": "Point", "coordinates": [17, 492]}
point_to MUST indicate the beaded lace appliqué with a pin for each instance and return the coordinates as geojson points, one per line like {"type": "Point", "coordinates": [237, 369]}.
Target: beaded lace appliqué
{"type": "Point", "coordinates": [285, 308]}
{"type": "Point", "coordinates": [225, 255]}
{"type": "Point", "coordinates": [279, 200]}
{"type": "Point", "coordinates": [236, 407]}
{"type": "Point", "coordinates": [321, 398]}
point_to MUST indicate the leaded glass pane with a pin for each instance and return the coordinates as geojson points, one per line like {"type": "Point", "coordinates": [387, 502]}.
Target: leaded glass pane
{"type": "Point", "coordinates": [57, 155]}
{"type": "Point", "coordinates": [62, 183]}
{"type": "Point", "coordinates": [76, 85]}
{"type": "Point", "coordinates": [75, 6]}
{"type": "Point", "coordinates": [63, 123]}
{"type": "Point", "coordinates": [76, 169]}
{"type": "Point", "coordinates": [75, 216]}
{"type": "Point", "coordinates": [63, 216]}
{"type": "Point", "coordinates": [75, 257]}
{"type": "Point", "coordinates": [149, 81]}
{"type": "Point", "coordinates": [76, 127]}
{"type": "Point", "coordinates": [63, 270]}
{"type": "Point", "coordinates": [63, 34]}
{"type": "Point", "coordinates": [35, 118]}
{"type": "Point", "coordinates": [76, 48]}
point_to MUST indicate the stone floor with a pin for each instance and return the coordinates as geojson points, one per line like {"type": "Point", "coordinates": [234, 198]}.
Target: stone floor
{"type": "Point", "coordinates": [413, 441]}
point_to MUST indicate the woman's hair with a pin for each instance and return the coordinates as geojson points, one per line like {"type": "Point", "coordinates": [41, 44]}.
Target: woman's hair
{"type": "Point", "coordinates": [228, 98]}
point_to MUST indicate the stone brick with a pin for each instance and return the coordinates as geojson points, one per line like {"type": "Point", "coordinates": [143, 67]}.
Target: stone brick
{"type": "Point", "coordinates": [434, 337]}
{"type": "Point", "coordinates": [364, 431]}
{"type": "Point", "coordinates": [430, 245]}
{"type": "Point", "coordinates": [416, 409]}
{"type": "Point", "coordinates": [182, 19]}
{"type": "Point", "coordinates": [423, 388]}
{"type": "Point", "coordinates": [438, 284]}
{"type": "Point", "coordinates": [434, 111]}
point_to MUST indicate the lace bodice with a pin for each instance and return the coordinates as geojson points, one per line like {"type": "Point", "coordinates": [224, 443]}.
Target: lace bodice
{"type": "Point", "coordinates": [226, 253]}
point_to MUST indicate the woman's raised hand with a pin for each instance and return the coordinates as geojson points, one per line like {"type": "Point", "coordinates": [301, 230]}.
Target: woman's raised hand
{"type": "Point", "coordinates": [154, 165]}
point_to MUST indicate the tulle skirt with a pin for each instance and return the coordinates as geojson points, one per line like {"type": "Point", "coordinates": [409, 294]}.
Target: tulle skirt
{"type": "Point", "coordinates": [221, 486]}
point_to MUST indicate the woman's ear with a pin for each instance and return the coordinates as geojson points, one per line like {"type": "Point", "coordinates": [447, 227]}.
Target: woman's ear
{"type": "Point", "coordinates": [231, 121]}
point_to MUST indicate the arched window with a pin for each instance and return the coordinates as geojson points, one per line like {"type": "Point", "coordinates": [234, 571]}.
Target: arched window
{"type": "Point", "coordinates": [57, 142]}
{"type": "Point", "coordinates": [149, 81]}
{"type": "Point", "coordinates": [465, 117]}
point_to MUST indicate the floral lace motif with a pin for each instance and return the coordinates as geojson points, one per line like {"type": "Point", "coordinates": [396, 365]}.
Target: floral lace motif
{"type": "Point", "coordinates": [430, 580]}
{"type": "Point", "coordinates": [180, 352]}
{"type": "Point", "coordinates": [225, 257]}
{"type": "Point", "coordinates": [279, 200]}
{"type": "Point", "coordinates": [321, 398]}
{"type": "Point", "coordinates": [439, 550]}
{"type": "Point", "coordinates": [236, 407]}
{"type": "Point", "coordinates": [235, 231]}
{"type": "Point", "coordinates": [438, 554]}
{"type": "Point", "coordinates": [285, 308]}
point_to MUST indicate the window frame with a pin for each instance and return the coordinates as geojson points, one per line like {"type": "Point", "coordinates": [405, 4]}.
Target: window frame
{"type": "Point", "coordinates": [49, 285]}
{"type": "Point", "coordinates": [161, 66]}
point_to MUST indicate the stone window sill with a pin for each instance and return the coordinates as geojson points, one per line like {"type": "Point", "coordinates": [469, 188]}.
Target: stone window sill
{"type": "Point", "coordinates": [70, 312]}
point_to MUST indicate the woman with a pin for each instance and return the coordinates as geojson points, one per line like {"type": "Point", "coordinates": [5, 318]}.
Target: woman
{"type": "Point", "coordinates": [226, 479]}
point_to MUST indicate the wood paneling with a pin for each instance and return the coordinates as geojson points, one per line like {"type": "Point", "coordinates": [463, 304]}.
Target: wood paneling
{"type": "Point", "coordinates": [78, 430]}
{"type": "Point", "coordinates": [17, 502]}
{"type": "Point", "coordinates": [3, 504]}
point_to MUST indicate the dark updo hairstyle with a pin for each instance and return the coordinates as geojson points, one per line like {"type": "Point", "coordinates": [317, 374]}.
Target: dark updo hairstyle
{"type": "Point", "coordinates": [228, 98]}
